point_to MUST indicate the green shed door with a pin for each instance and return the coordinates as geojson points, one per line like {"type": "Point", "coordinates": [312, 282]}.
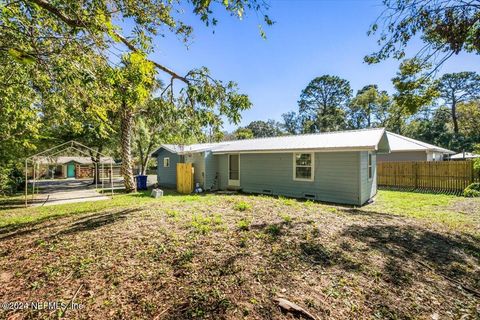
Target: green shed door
{"type": "Point", "coordinates": [71, 170]}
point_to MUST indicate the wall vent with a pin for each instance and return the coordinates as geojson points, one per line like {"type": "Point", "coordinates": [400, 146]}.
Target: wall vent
{"type": "Point", "coordinates": [309, 196]}
{"type": "Point", "coordinates": [267, 191]}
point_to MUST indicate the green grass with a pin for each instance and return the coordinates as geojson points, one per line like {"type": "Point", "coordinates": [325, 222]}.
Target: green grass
{"type": "Point", "coordinates": [11, 219]}
{"type": "Point", "coordinates": [242, 206]}
{"type": "Point", "coordinates": [437, 208]}
{"type": "Point", "coordinates": [226, 256]}
{"type": "Point", "coordinates": [244, 224]}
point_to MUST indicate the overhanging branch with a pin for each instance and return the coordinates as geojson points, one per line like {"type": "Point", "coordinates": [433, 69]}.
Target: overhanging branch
{"type": "Point", "coordinates": [78, 23]}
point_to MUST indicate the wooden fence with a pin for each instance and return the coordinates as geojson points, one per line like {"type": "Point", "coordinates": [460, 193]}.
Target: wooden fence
{"type": "Point", "coordinates": [184, 178]}
{"type": "Point", "coordinates": [448, 176]}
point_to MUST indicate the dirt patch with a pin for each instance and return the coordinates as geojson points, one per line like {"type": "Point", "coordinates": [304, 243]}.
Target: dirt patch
{"type": "Point", "coordinates": [467, 206]}
{"type": "Point", "coordinates": [5, 276]}
{"type": "Point", "coordinates": [229, 257]}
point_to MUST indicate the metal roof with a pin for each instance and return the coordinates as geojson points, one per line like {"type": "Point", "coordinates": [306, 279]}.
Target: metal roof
{"type": "Point", "coordinates": [64, 160]}
{"type": "Point", "coordinates": [465, 155]}
{"type": "Point", "coordinates": [401, 143]}
{"type": "Point", "coordinates": [365, 139]}
{"type": "Point", "coordinates": [192, 148]}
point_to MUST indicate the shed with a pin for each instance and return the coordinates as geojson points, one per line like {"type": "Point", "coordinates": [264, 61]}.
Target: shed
{"type": "Point", "coordinates": [72, 166]}
{"type": "Point", "coordinates": [337, 167]}
{"type": "Point", "coordinates": [465, 156]}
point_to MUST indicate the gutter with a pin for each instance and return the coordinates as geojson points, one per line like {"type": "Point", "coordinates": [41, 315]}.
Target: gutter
{"type": "Point", "coordinates": [368, 148]}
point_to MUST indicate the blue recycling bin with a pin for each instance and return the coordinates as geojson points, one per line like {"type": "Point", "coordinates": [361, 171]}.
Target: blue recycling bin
{"type": "Point", "coordinates": [141, 182]}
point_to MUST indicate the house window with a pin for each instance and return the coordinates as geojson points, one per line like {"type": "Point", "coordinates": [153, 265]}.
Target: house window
{"type": "Point", "coordinates": [166, 162]}
{"type": "Point", "coordinates": [303, 164]}
{"type": "Point", "coordinates": [370, 166]}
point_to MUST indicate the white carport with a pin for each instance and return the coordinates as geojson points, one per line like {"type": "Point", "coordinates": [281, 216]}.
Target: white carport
{"type": "Point", "coordinates": [48, 156]}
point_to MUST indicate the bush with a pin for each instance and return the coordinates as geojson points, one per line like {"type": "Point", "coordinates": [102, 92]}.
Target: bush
{"type": "Point", "coordinates": [476, 166]}
{"type": "Point", "coordinates": [472, 190]}
{"type": "Point", "coordinates": [11, 180]}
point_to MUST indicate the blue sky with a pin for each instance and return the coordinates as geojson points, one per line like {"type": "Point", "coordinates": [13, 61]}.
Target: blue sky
{"type": "Point", "coordinates": [309, 39]}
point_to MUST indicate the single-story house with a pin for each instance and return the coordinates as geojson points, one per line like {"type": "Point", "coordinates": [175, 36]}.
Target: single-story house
{"type": "Point", "coordinates": [70, 167]}
{"type": "Point", "coordinates": [335, 167]}
{"type": "Point", "coordinates": [408, 149]}
{"type": "Point", "coordinates": [465, 156]}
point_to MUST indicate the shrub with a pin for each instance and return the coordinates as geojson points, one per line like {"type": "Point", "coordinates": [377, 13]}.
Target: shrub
{"type": "Point", "coordinates": [11, 180]}
{"type": "Point", "coordinates": [472, 190]}
{"type": "Point", "coordinates": [476, 165]}
{"type": "Point", "coordinates": [242, 206]}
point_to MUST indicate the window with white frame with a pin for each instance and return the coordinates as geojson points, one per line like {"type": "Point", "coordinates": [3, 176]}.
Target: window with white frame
{"type": "Point", "coordinates": [166, 162]}
{"type": "Point", "coordinates": [303, 164]}
{"type": "Point", "coordinates": [370, 166]}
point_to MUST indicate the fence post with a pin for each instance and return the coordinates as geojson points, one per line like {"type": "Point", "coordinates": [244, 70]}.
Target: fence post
{"type": "Point", "coordinates": [415, 167]}
{"type": "Point", "coordinates": [472, 179]}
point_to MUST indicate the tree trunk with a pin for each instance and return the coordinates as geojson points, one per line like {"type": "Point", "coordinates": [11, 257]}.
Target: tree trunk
{"type": "Point", "coordinates": [147, 158]}
{"type": "Point", "coordinates": [96, 158]}
{"type": "Point", "coordinates": [454, 117]}
{"type": "Point", "coordinates": [126, 137]}
{"type": "Point", "coordinates": [141, 156]}
{"type": "Point", "coordinates": [369, 117]}
{"type": "Point", "coordinates": [144, 165]}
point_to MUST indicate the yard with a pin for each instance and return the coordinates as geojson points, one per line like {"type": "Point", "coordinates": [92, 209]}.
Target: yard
{"type": "Point", "coordinates": [408, 255]}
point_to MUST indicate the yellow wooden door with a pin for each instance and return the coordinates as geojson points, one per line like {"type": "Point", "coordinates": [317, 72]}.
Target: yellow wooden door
{"type": "Point", "coordinates": [185, 178]}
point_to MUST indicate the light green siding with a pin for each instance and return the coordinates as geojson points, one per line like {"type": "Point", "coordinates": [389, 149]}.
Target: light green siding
{"type": "Point", "coordinates": [368, 187]}
{"type": "Point", "coordinates": [222, 163]}
{"type": "Point", "coordinates": [211, 169]}
{"type": "Point", "coordinates": [167, 176]}
{"type": "Point", "coordinates": [337, 176]}
{"type": "Point", "coordinates": [403, 156]}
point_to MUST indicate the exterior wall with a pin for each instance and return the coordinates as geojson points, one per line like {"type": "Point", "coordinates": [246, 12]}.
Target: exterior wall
{"type": "Point", "coordinates": [167, 177]}
{"type": "Point", "coordinates": [434, 156]}
{"type": "Point", "coordinates": [211, 167]}
{"type": "Point", "coordinates": [198, 161]}
{"type": "Point", "coordinates": [87, 171]}
{"type": "Point", "coordinates": [403, 156]}
{"type": "Point", "coordinates": [222, 169]}
{"type": "Point", "coordinates": [336, 176]}
{"type": "Point", "coordinates": [368, 187]}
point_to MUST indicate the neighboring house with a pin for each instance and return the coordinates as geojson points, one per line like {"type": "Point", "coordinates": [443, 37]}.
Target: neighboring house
{"type": "Point", "coordinates": [408, 149]}
{"type": "Point", "coordinates": [465, 156]}
{"type": "Point", "coordinates": [335, 167]}
{"type": "Point", "coordinates": [70, 167]}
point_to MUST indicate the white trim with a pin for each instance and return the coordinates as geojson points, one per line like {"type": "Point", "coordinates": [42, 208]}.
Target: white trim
{"type": "Point", "coordinates": [369, 156]}
{"type": "Point", "coordinates": [312, 156]}
{"type": "Point", "coordinates": [72, 143]}
{"type": "Point", "coordinates": [167, 148]}
{"type": "Point", "coordinates": [168, 160]}
{"type": "Point", "coordinates": [233, 183]}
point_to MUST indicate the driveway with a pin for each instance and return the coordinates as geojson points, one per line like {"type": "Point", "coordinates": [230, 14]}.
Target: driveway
{"type": "Point", "coordinates": [51, 192]}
